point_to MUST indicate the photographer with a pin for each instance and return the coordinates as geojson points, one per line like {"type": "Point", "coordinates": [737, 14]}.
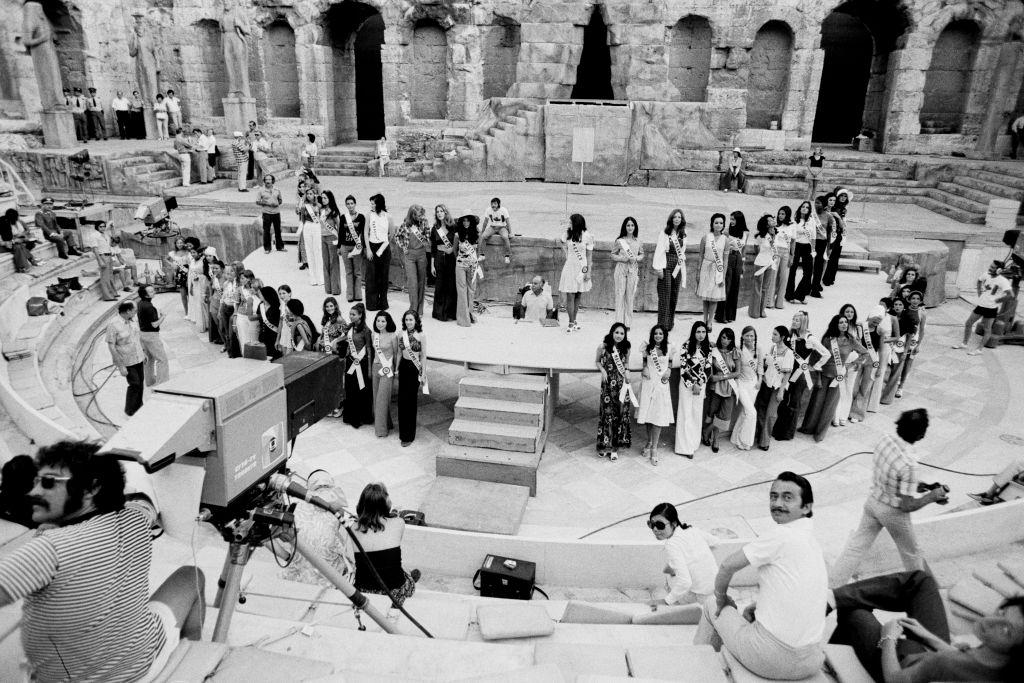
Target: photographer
{"type": "Point", "coordinates": [84, 578]}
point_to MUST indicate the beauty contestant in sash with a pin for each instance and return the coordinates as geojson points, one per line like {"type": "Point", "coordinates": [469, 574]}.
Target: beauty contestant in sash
{"type": "Point", "coordinates": [669, 263]}
{"type": "Point", "coordinates": [825, 395]}
{"type": "Point", "coordinates": [750, 367]}
{"type": "Point", "coordinates": [918, 317]}
{"type": "Point", "coordinates": [694, 373]}
{"type": "Point", "coordinates": [310, 234]}
{"type": "Point", "coordinates": [377, 235]}
{"type": "Point", "coordinates": [766, 263]}
{"type": "Point", "coordinates": [784, 244]}
{"type": "Point", "coordinates": [849, 385]}
{"type": "Point", "coordinates": [721, 393]}
{"type": "Point", "coordinates": [358, 408]}
{"type": "Point", "coordinates": [350, 248]}
{"type": "Point", "coordinates": [617, 397]}
{"type": "Point", "coordinates": [889, 335]}
{"type": "Point", "coordinates": [808, 358]}
{"type": "Point", "coordinates": [413, 239]}
{"type": "Point", "coordinates": [576, 277]}
{"type": "Point", "coordinates": [778, 365]}
{"type": "Point", "coordinates": [269, 311]}
{"type": "Point", "coordinates": [467, 269]}
{"type": "Point", "coordinates": [330, 253]}
{"type": "Point", "coordinates": [444, 245]}
{"type": "Point", "coordinates": [711, 278]}
{"type": "Point", "coordinates": [382, 371]}
{"type": "Point", "coordinates": [628, 254]}
{"type": "Point", "coordinates": [805, 231]}
{"type": "Point", "coordinates": [412, 374]}
{"type": "Point", "coordinates": [655, 396]}
{"type": "Point", "coordinates": [332, 339]}
{"type": "Point", "coordinates": [907, 330]}
{"type": "Point", "coordinates": [737, 233]}
{"type": "Point", "coordinates": [872, 371]}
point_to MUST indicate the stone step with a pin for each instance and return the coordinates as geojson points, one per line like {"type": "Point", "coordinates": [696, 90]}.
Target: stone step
{"type": "Point", "coordinates": [479, 506]}
{"type": "Point", "coordinates": [996, 177]}
{"type": "Point", "coordinates": [957, 201]}
{"type": "Point", "coordinates": [158, 186]}
{"type": "Point", "coordinates": [755, 170]}
{"type": "Point", "coordinates": [332, 163]}
{"type": "Point", "coordinates": [499, 410]}
{"type": "Point", "coordinates": [147, 167]}
{"type": "Point", "coordinates": [979, 196]}
{"type": "Point", "coordinates": [344, 156]}
{"type": "Point", "coordinates": [1012, 170]}
{"type": "Point", "coordinates": [487, 464]}
{"type": "Point", "coordinates": [994, 189]}
{"type": "Point", "coordinates": [522, 388]}
{"type": "Point", "coordinates": [953, 212]}
{"type": "Point", "coordinates": [493, 435]}
{"type": "Point", "coordinates": [131, 162]}
{"type": "Point", "coordinates": [153, 176]}
{"type": "Point", "coordinates": [859, 264]}
{"type": "Point", "coordinates": [340, 172]}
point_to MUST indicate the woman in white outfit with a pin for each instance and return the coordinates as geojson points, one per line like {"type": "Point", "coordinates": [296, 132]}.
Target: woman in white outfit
{"type": "Point", "coordinates": [246, 325]}
{"type": "Point", "coordinates": [690, 567]}
{"type": "Point", "coordinates": [655, 396]}
{"type": "Point", "coordinates": [849, 385]}
{"type": "Point", "coordinates": [694, 373]}
{"type": "Point", "coordinates": [746, 390]}
{"type": "Point", "coordinates": [309, 231]}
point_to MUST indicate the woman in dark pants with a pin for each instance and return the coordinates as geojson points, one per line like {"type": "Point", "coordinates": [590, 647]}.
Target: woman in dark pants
{"type": "Point", "coordinates": [358, 407]}
{"type": "Point", "coordinates": [804, 231]}
{"type": "Point", "coordinates": [821, 409]}
{"type": "Point", "coordinates": [412, 374]}
{"type": "Point", "coordinates": [726, 311]}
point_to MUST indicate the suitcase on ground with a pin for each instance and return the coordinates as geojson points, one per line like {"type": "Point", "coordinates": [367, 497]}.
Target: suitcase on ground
{"type": "Point", "coordinates": [255, 350]}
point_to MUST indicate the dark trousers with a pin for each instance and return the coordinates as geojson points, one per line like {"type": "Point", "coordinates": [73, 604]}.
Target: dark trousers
{"type": "Point", "coordinates": [819, 265]}
{"type": "Point", "coordinates": [820, 409]}
{"type": "Point", "coordinates": [97, 126]}
{"type": "Point", "coordinates": [726, 180]}
{"type": "Point", "coordinates": [63, 240]}
{"type": "Point", "coordinates": [668, 292]}
{"type": "Point", "coordinates": [81, 128]}
{"type": "Point", "coordinates": [124, 124]}
{"type": "Point", "coordinates": [915, 593]}
{"type": "Point", "coordinates": [803, 261]}
{"type": "Point", "coordinates": [227, 312]}
{"type": "Point", "coordinates": [377, 271]}
{"type": "Point", "coordinates": [767, 406]}
{"type": "Point", "coordinates": [726, 311]}
{"type": "Point", "coordinates": [408, 395]}
{"type": "Point", "coordinates": [136, 380]}
{"type": "Point", "coordinates": [272, 220]}
{"type": "Point", "coordinates": [832, 267]}
{"type": "Point", "coordinates": [1014, 144]}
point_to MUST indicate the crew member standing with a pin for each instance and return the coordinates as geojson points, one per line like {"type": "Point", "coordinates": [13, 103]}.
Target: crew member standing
{"type": "Point", "coordinates": [125, 344]}
{"type": "Point", "coordinates": [121, 106]}
{"type": "Point", "coordinates": [156, 369]}
{"type": "Point", "coordinates": [94, 112]}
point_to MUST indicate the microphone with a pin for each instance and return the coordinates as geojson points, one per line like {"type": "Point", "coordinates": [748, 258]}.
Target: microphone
{"type": "Point", "coordinates": [285, 484]}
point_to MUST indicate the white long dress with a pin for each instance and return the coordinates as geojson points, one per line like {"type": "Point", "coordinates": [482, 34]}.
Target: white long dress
{"type": "Point", "coordinates": [198, 284]}
{"type": "Point", "coordinates": [746, 392]}
{"type": "Point", "coordinates": [245, 329]}
{"type": "Point", "coordinates": [655, 396]}
{"type": "Point", "coordinates": [311, 239]}
{"type": "Point", "coordinates": [690, 412]}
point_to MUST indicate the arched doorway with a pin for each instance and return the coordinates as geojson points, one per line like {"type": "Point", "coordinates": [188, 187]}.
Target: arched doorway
{"type": "Point", "coordinates": [689, 58]}
{"type": "Point", "coordinates": [282, 70]}
{"type": "Point", "coordinates": [594, 71]}
{"type": "Point", "coordinates": [356, 32]}
{"type": "Point", "coordinates": [69, 40]}
{"type": "Point", "coordinates": [769, 74]}
{"type": "Point", "coordinates": [949, 78]}
{"type": "Point", "coordinates": [429, 83]}
{"type": "Point", "coordinates": [501, 54]}
{"type": "Point", "coordinates": [857, 37]}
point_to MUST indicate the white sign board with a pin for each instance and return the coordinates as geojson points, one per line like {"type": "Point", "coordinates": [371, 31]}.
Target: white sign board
{"type": "Point", "coordinates": [582, 145]}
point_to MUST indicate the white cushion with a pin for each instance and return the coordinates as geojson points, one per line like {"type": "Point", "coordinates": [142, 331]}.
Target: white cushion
{"type": "Point", "coordinates": [498, 622]}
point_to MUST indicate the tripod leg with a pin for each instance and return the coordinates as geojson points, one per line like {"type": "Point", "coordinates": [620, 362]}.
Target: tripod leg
{"type": "Point", "coordinates": [222, 581]}
{"type": "Point", "coordinates": [238, 556]}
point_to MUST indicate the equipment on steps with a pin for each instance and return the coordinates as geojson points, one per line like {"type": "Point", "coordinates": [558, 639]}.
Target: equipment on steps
{"type": "Point", "coordinates": [503, 577]}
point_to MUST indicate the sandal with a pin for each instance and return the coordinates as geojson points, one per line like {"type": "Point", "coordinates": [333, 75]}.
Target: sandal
{"type": "Point", "coordinates": [654, 457]}
{"type": "Point", "coordinates": [613, 456]}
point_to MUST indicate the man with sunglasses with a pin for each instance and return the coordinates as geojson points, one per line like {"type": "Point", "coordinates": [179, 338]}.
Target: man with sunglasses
{"type": "Point", "coordinates": [87, 614]}
{"type": "Point", "coordinates": [779, 637]}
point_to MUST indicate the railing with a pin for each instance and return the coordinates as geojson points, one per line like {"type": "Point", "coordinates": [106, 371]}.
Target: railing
{"type": "Point", "coordinates": [11, 176]}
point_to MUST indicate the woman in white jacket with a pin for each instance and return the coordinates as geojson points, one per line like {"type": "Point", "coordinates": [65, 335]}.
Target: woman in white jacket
{"type": "Point", "coordinates": [690, 568]}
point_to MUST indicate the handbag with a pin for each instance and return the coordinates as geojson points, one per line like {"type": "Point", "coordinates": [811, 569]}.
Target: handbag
{"type": "Point", "coordinates": [57, 293]}
{"type": "Point", "coordinates": [71, 283]}
{"type": "Point", "coordinates": [37, 305]}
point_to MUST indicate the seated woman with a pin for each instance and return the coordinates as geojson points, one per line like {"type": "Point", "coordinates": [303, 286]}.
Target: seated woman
{"type": "Point", "coordinates": [380, 530]}
{"type": "Point", "coordinates": [322, 533]}
{"type": "Point", "coordinates": [16, 240]}
{"type": "Point", "coordinates": [690, 568]}
{"type": "Point", "coordinates": [916, 648]}
{"type": "Point", "coordinates": [733, 175]}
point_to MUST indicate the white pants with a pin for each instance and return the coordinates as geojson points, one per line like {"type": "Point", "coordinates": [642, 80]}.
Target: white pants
{"type": "Point", "coordinates": [186, 169]}
{"type": "Point", "coordinates": [877, 516]}
{"type": "Point", "coordinates": [314, 255]}
{"type": "Point", "coordinates": [746, 424]}
{"type": "Point", "coordinates": [847, 388]}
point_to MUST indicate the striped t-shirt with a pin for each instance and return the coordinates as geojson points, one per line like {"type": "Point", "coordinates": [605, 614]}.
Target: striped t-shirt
{"type": "Point", "coordinates": [86, 589]}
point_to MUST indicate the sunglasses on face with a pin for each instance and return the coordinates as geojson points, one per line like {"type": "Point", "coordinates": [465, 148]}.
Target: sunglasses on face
{"type": "Point", "coordinates": [48, 481]}
{"type": "Point", "coordinates": [659, 525]}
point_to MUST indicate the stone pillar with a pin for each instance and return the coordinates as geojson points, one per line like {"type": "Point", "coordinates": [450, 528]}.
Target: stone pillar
{"type": "Point", "coordinates": [980, 95]}
{"type": "Point", "coordinates": [1005, 83]}
{"type": "Point", "coordinates": [397, 104]}
{"type": "Point", "coordinates": [58, 128]}
{"type": "Point", "coordinates": [466, 77]}
{"type": "Point", "coordinates": [314, 66]}
{"type": "Point", "coordinates": [904, 95]}
{"type": "Point", "coordinates": [238, 112]}
{"type": "Point", "coordinates": [802, 98]}
{"type": "Point", "coordinates": [548, 55]}
{"type": "Point", "coordinates": [639, 62]}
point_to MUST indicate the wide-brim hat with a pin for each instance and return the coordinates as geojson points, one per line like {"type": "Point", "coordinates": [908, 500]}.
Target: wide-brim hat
{"type": "Point", "coordinates": [473, 220]}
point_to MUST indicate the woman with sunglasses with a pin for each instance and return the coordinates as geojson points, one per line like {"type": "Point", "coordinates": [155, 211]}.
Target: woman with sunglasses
{"type": "Point", "coordinates": [690, 566]}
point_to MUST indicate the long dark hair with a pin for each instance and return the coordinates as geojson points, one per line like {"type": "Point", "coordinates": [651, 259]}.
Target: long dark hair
{"type": "Point", "coordinates": [787, 215]}
{"type": "Point", "coordinates": [273, 304]}
{"type": "Point", "coordinates": [800, 211]}
{"type": "Point", "coordinates": [418, 327]}
{"type": "Point", "coordinates": [361, 309]}
{"type": "Point", "coordinates": [373, 508]}
{"type": "Point", "coordinates": [832, 331]}
{"type": "Point", "coordinates": [853, 323]}
{"type": "Point", "coordinates": [389, 327]}
{"type": "Point", "coordinates": [682, 222]}
{"type": "Point", "coordinates": [327, 318]}
{"type": "Point", "coordinates": [726, 333]}
{"type": "Point", "coordinates": [741, 223]}
{"type": "Point", "coordinates": [332, 205]}
{"type": "Point", "coordinates": [692, 344]}
{"type": "Point", "coordinates": [663, 346]}
{"type": "Point", "coordinates": [378, 203]}
{"type": "Point", "coordinates": [636, 227]}
{"type": "Point", "coordinates": [762, 225]}
{"type": "Point", "coordinates": [609, 342]}
{"type": "Point", "coordinates": [748, 328]}
{"type": "Point", "coordinates": [577, 226]}
{"type": "Point", "coordinates": [669, 512]}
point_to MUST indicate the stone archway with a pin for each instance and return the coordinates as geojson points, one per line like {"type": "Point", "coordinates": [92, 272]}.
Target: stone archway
{"type": "Point", "coordinates": [858, 38]}
{"type": "Point", "coordinates": [768, 82]}
{"type": "Point", "coordinates": [355, 32]}
{"type": "Point", "coordinates": [594, 71]}
{"type": "Point", "coordinates": [948, 80]}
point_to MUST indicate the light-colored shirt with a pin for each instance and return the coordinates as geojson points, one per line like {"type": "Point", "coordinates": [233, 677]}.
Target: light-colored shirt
{"type": "Point", "coordinates": [160, 110]}
{"type": "Point", "coordinates": [991, 289]}
{"type": "Point", "coordinates": [1018, 124]}
{"type": "Point", "coordinates": [774, 377]}
{"type": "Point", "coordinates": [377, 225]}
{"type": "Point", "coordinates": [173, 103]}
{"type": "Point", "coordinates": [792, 581]}
{"type": "Point", "coordinates": [98, 241]}
{"type": "Point", "coordinates": [94, 104]}
{"type": "Point", "coordinates": [269, 200]}
{"type": "Point", "coordinates": [765, 255]}
{"type": "Point", "coordinates": [895, 470]}
{"type": "Point", "coordinates": [805, 231]}
{"type": "Point", "coordinates": [783, 236]}
{"type": "Point", "coordinates": [127, 347]}
{"type": "Point", "coordinates": [694, 567]}
{"type": "Point", "coordinates": [536, 307]}
{"type": "Point", "coordinates": [120, 104]}
{"type": "Point", "coordinates": [309, 150]}
{"type": "Point", "coordinates": [662, 247]}
{"type": "Point", "coordinates": [261, 150]}
{"type": "Point", "coordinates": [499, 218]}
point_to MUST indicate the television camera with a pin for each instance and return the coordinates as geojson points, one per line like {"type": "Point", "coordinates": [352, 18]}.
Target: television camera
{"type": "Point", "coordinates": [155, 214]}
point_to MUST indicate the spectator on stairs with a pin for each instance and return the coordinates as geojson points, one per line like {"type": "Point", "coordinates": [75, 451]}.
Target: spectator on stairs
{"type": "Point", "coordinates": [240, 151]}
{"type": "Point", "coordinates": [733, 175]}
{"type": "Point", "coordinates": [16, 240]}
{"type": "Point", "coordinates": [1014, 472]}
{"type": "Point", "coordinates": [383, 155]}
{"type": "Point", "coordinates": [160, 114]}
{"type": "Point", "coordinates": [261, 155]}
{"type": "Point", "coordinates": [183, 148]}
{"type": "Point", "coordinates": [66, 240]}
{"type": "Point", "coordinates": [380, 530]}
{"type": "Point", "coordinates": [690, 567]}
{"type": "Point", "coordinates": [780, 636]}
{"type": "Point", "coordinates": [173, 109]}
{"type": "Point", "coordinates": [309, 152]}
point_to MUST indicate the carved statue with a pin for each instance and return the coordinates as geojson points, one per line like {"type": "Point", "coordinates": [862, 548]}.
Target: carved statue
{"type": "Point", "coordinates": [37, 37]}
{"type": "Point", "coordinates": [142, 48]}
{"type": "Point", "coordinates": [235, 31]}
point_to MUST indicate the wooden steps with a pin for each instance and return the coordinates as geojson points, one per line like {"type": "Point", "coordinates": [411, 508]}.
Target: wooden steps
{"type": "Point", "coordinates": [480, 506]}
{"type": "Point", "coordinates": [487, 434]}
{"type": "Point", "coordinates": [501, 412]}
{"type": "Point", "coordinates": [487, 464]}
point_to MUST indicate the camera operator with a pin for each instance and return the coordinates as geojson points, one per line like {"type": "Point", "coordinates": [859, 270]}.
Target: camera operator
{"type": "Point", "coordinates": [84, 576]}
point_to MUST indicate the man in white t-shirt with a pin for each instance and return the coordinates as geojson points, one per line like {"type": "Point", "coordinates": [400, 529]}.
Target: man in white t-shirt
{"type": "Point", "coordinates": [992, 291]}
{"type": "Point", "coordinates": [537, 301]}
{"type": "Point", "coordinates": [497, 221]}
{"type": "Point", "coordinates": [173, 110]}
{"type": "Point", "coordinates": [780, 636]}
{"type": "Point", "coordinates": [121, 106]}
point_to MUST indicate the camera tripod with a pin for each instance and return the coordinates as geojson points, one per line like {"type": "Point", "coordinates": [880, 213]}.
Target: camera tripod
{"type": "Point", "coordinates": [258, 527]}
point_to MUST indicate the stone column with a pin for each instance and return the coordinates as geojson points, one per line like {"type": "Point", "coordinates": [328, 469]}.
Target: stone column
{"type": "Point", "coordinates": [548, 55]}
{"type": "Point", "coordinates": [1005, 84]}
{"type": "Point", "coordinates": [396, 92]}
{"type": "Point", "coordinates": [980, 95]}
{"type": "Point", "coordinates": [802, 98]}
{"type": "Point", "coordinates": [466, 77]}
{"type": "Point", "coordinates": [640, 62]}
{"type": "Point", "coordinates": [314, 66]}
{"type": "Point", "coordinates": [904, 96]}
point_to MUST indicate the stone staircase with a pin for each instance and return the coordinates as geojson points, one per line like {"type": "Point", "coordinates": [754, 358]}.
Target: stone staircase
{"type": "Point", "coordinates": [495, 149]}
{"type": "Point", "coordinates": [351, 159]}
{"type": "Point", "coordinates": [149, 173]}
{"type": "Point", "coordinates": [967, 195]}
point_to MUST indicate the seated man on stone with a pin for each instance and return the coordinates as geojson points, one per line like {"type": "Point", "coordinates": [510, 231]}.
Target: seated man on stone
{"type": "Point", "coordinates": [1014, 472]}
{"type": "Point", "coordinates": [779, 637]}
{"type": "Point", "coordinates": [84, 576]}
{"type": "Point", "coordinates": [65, 239]}
{"type": "Point", "coordinates": [537, 303]}
{"type": "Point", "coordinates": [916, 648]}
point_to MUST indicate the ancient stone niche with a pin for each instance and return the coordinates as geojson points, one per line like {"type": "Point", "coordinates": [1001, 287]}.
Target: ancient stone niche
{"type": "Point", "coordinates": [428, 83]}
{"type": "Point", "coordinates": [689, 58]}
{"type": "Point", "coordinates": [204, 68]}
{"type": "Point", "coordinates": [501, 53]}
{"type": "Point", "coordinates": [69, 40]}
{"type": "Point", "coordinates": [949, 78]}
{"type": "Point", "coordinates": [594, 71]}
{"type": "Point", "coordinates": [281, 70]}
{"type": "Point", "coordinates": [768, 81]}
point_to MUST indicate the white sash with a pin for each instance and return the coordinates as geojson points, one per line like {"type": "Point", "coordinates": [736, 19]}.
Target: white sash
{"type": "Point", "coordinates": [775, 363]}
{"type": "Point", "coordinates": [415, 358]}
{"type": "Point", "coordinates": [415, 230]}
{"type": "Point", "coordinates": [680, 256]}
{"type": "Point", "coordinates": [355, 366]}
{"type": "Point", "coordinates": [311, 214]}
{"type": "Point", "coordinates": [350, 226]}
{"type": "Point", "coordinates": [655, 358]}
{"type": "Point", "coordinates": [716, 359]}
{"type": "Point", "coordinates": [840, 366]}
{"type": "Point", "coordinates": [775, 251]}
{"type": "Point", "coordinates": [385, 244]}
{"type": "Point", "coordinates": [444, 238]}
{"type": "Point", "coordinates": [626, 393]}
{"type": "Point", "coordinates": [719, 266]}
{"type": "Point", "coordinates": [802, 368]}
{"type": "Point", "coordinates": [811, 233]}
{"type": "Point", "coordinates": [385, 362]}
{"type": "Point", "coordinates": [912, 341]}
{"type": "Point", "coordinates": [865, 337]}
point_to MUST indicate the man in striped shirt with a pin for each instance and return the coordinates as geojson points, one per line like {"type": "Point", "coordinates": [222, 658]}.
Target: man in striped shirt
{"type": "Point", "coordinates": [84, 576]}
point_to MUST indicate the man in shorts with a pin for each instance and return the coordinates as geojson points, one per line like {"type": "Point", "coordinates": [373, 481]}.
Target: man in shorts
{"type": "Point", "coordinates": [87, 613]}
{"type": "Point", "coordinates": [497, 221]}
{"type": "Point", "coordinates": [992, 290]}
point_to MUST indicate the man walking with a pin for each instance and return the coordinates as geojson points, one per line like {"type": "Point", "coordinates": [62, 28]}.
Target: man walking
{"type": "Point", "coordinates": [121, 106]}
{"type": "Point", "coordinates": [892, 498]}
{"type": "Point", "coordinates": [156, 368]}
{"type": "Point", "coordinates": [125, 344]}
{"type": "Point", "coordinates": [94, 111]}
{"type": "Point", "coordinates": [780, 636]}
{"type": "Point", "coordinates": [64, 239]}
{"type": "Point", "coordinates": [269, 200]}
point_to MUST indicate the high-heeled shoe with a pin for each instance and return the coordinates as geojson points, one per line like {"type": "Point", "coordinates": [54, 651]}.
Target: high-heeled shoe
{"type": "Point", "coordinates": [714, 439]}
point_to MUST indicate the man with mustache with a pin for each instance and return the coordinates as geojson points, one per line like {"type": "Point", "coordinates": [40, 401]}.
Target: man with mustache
{"type": "Point", "coordinates": [87, 614]}
{"type": "Point", "coordinates": [779, 637]}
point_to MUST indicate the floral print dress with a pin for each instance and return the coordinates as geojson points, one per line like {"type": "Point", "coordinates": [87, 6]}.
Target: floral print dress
{"type": "Point", "coordinates": [614, 416]}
